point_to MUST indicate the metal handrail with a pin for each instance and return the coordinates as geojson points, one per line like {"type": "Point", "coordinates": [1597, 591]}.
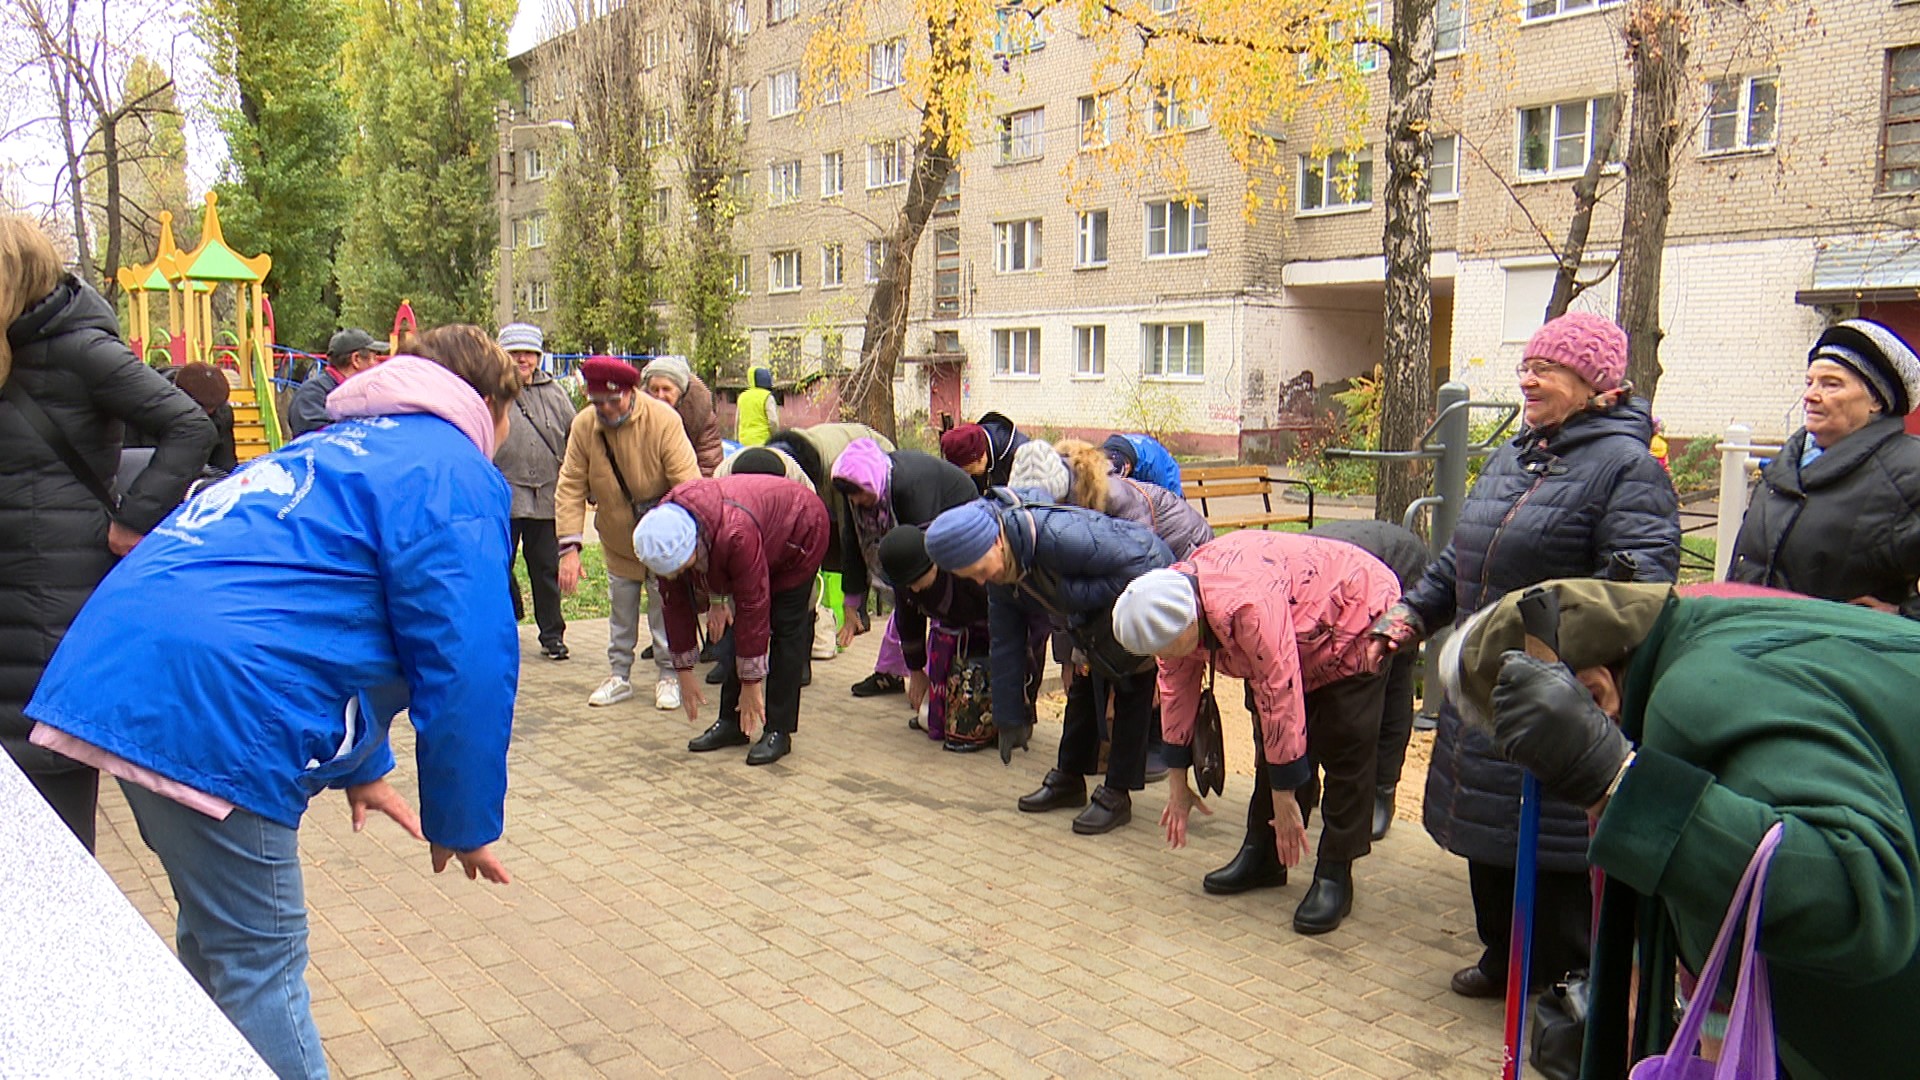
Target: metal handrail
{"type": "Point", "coordinates": [1429, 449]}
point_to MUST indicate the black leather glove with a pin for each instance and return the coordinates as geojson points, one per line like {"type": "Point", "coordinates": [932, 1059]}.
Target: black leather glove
{"type": "Point", "coordinates": [1545, 721]}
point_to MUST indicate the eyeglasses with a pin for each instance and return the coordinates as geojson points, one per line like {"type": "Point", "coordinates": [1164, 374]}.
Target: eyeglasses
{"type": "Point", "coordinates": [1539, 369]}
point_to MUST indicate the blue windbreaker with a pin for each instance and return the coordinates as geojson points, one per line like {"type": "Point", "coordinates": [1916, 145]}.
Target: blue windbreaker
{"type": "Point", "coordinates": [257, 644]}
{"type": "Point", "coordinates": [1153, 464]}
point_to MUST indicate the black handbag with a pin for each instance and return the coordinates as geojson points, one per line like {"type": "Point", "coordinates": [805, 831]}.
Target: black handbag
{"type": "Point", "coordinates": [1558, 1028]}
{"type": "Point", "coordinates": [1209, 742]}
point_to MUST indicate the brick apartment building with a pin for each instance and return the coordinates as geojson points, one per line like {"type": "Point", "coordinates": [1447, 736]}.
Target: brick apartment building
{"type": "Point", "coordinates": [1128, 306]}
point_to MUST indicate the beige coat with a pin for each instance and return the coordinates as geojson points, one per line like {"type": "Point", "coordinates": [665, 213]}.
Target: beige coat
{"type": "Point", "coordinates": [654, 455]}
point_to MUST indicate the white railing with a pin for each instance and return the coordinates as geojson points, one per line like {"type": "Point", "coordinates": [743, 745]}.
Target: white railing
{"type": "Point", "coordinates": [1737, 450]}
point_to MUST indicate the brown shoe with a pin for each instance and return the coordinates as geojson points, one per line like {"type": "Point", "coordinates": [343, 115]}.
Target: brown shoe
{"type": "Point", "coordinates": [1058, 791]}
{"type": "Point", "coordinates": [1109, 810]}
{"type": "Point", "coordinates": [1471, 982]}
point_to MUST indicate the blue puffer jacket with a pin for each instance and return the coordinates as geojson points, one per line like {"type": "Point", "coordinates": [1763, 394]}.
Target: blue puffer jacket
{"type": "Point", "coordinates": [1566, 505]}
{"type": "Point", "coordinates": [1147, 460]}
{"type": "Point", "coordinates": [258, 643]}
{"type": "Point", "coordinates": [1074, 564]}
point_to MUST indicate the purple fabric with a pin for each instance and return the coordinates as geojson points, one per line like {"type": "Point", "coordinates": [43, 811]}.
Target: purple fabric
{"type": "Point", "coordinates": [892, 660]}
{"type": "Point", "coordinates": [942, 646]}
{"type": "Point", "coordinates": [866, 465]}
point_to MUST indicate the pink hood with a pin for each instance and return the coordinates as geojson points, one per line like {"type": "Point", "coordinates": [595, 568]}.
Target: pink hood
{"type": "Point", "coordinates": [413, 384]}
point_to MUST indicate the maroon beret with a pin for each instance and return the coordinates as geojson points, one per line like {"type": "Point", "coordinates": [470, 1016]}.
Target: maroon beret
{"type": "Point", "coordinates": [964, 445]}
{"type": "Point", "coordinates": [606, 375]}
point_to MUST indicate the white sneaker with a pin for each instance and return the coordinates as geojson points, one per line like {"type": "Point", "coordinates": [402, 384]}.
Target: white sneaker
{"type": "Point", "coordinates": [612, 692]}
{"type": "Point", "coordinates": [666, 695]}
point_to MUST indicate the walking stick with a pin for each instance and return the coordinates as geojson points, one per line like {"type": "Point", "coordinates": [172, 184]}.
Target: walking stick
{"type": "Point", "coordinates": [1540, 615]}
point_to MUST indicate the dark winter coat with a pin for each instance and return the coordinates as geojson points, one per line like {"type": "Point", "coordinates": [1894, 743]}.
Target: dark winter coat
{"type": "Point", "coordinates": [68, 356]}
{"type": "Point", "coordinates": [1074, 563]}
{"type": "Point", "coordinates": [759, 535]}
{"type": "Point", "coordinates": [952, 601]}
{"type": "Point", "coordinates": [1403, 552]}
{"type": "Point", "coordinates": [816, 448]}
{"type": "Point", "coordinates": [307, 410]}
{"type": "Point", "coordinates": [702, 422]}
{"type": "Point", "coordinates": [1563, 505]}
{"type": "Point", "coordinates": [923, 487]}
{"type": "Point", "coordinates": [1845, 526]}
{"type": "Point", "coordinates": [1003, 438]}
{"type": "Point", "coordinates": [1170, 517]}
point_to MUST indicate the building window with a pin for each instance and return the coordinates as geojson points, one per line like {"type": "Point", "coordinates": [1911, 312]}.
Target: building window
{"type": "Point", "coordinates": [536, 163]}
{"type": "Point", "coordinates": [1547, 9]}
{"type": "Point", "coordinates": [1176, 108]}
{"type": "Point", "coordinates": [1016, 352]}
{"type": "Point", "coordinates": [949, 200]}
{"type": "Point", "coordinates": [1900, 139]}
{"type": "Point", "coordinates": [1173, 350]}
{"type": "Point", "coordinates": [830, 89]}
{"type": "Point", "coordinates": [536, 296]}
{"type": "Point", "coordinates": [833, 266]}
{"type": "Point", "coordinates": [1022, 136]}
{"type": "Point", "coordinates": [833, 173]}
{"type": "Point", "coordinates": [886, 65]}
{"type": "Point", "coordinates": [529, 96]}
{"type": "Point", "coordinates": [1090, 239]}
{"type": "Point", "coordinates": [743, 275]}
{"type": "Point", "coordinates": [534, 231]}
{"type": "Point", "coordinates": [742, 105]}
{"type": "Point", "coordinates": [1449, 27]}
{"type": "Point", "coordinates": [1557, 140]}
{"type": "Point", "coordinates": [740, 186]}
{"type": "Point", "coordinates": [1176, 228]}
{"type": "Point", "coordinates": [833, 350]}
{"type": "Point", "coordinates": [662, 206]}
{"type": "Point", "coordinates": [1089, 352]}
{"type": "Point", "coordinates": [781, 10]}
{"type": "Point", "coordinates": [652, 48]}
{"type": "Point", "coordinates": [1016, 246]}
{"type": "Point", "coordinates": [657, 129]}
{"type": "Point", "coordinates": [1017, 32]}
{"type": "Point", "coordinates": [877, 251]}
{"type": "Point", "coordinates": [783, 93]}
{"type": "Point", "coordinates": [946, 271]}
{"type": "Point", "coordinates": [1445, 174]}
{"type": "Point", "coordinates": [783, 271]}
{"type": "Point", "coordinates": [947, 342]}
{"type": "Point", "coordinates": [1165, 7]}
{"type": "Point", "coordinates": [783, 183]}
{"type": "Point", "coordinates": [1366, 55]}
{"type": "Point", "coordinates": [1336, 182]}
{"type": "Point", "coordinates": [1742, 113]}
{"type": "Point", "coordinates": [1096, 121]}
{"type": "Point", "coordinates": [886, 163]}
{"type": "Point", "coordinates": [739, 20]}
{"type": "Point", "coordinates": [783, 356]}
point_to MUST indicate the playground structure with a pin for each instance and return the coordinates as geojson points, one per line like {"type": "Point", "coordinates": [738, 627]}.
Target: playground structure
{"type": "Point", "coordinates": [189, 282]}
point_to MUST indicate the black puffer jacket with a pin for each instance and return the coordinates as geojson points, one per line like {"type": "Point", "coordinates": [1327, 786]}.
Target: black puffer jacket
{"type": "Point", "coordinates": [1845, 526]}
{"type": "Point", "coordinates": [68, 356]}
{"type": "Point", "coordinates": [1566, 505]}
{"type": "Point", "coordinates": [923, 487]}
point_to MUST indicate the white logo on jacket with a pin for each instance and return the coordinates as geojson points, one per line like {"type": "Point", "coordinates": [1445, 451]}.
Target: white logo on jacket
{"type": "Point", "coordinates": [217, 501]}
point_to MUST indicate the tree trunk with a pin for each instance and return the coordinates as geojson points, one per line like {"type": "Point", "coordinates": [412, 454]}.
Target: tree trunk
{"type": "Point", "coordinates": [1586, 195]}
{"type": "Point", "coordinates": [1406, 393]}
{"type": "Point", "coordinates": [1657, 50]}
{"type": "Point", "coordinates": [110, 164]}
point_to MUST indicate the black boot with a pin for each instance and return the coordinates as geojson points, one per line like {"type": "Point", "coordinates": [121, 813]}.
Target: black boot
{"type": "Point", "coordinates": [1058, 791]}
{"type": "Point", "coordinates": [1109, 809]}
{"type": "Point", "coordinates": [1328, 900]}
{"type": "Point", "coordinates": [1257, 866]}
{"type": "Point", "coordinates": [773, 746]}
{"type": "Point", "coordinates": [1382, 811]}
{"type": "Point", "coordinates": [722, 734]}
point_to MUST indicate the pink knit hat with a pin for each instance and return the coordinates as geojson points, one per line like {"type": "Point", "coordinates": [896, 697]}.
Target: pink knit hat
{"type": "Point", "coordinates": [1588, 345]}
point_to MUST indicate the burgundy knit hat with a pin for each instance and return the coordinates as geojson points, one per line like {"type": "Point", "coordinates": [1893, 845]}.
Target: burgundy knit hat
{"type": "Point", "coordinates": [964, 445]}
{"type": "Point", "coordinates": [1588, 345]}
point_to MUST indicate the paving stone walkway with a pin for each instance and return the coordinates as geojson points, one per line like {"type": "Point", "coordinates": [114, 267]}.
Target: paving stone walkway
{"type": "Point", "coordinates": [871, 906]}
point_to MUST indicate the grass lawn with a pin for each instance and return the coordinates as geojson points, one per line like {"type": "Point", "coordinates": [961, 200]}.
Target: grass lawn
{"type": "Point", "coordinates": [589, 601]}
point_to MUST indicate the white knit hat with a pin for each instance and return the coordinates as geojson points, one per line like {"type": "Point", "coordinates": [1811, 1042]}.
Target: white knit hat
{"type": "Point", "coordinates": [1037, 467]}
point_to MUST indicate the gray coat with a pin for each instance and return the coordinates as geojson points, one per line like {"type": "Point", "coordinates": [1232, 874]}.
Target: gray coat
{"type": "Point", "coordinates": [1171, 517]}
{"type": "Point", "coordinates": [536, 441]}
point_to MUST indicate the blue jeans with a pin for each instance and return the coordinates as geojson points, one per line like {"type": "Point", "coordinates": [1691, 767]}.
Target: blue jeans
{"type": "Point", "coordinates": [242, 932]}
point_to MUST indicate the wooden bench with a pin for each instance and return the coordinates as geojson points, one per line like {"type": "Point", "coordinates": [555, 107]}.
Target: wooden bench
{"type": "Point", "coordinates": [1226, 481]}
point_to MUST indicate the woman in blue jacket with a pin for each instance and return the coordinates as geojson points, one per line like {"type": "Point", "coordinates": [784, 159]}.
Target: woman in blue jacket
{"type": "Point", "coordinates": [253, 650]}
{"type": "Point", "coordinates": [1144, 459]}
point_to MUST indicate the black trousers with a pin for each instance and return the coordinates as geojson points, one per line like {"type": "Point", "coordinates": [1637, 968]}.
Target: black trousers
{"type": "Point", "coordinates": [792, 643]}
{"type": "Point", "coordinates": [534, 538]}
{"type": "Point", "coordinates": [1396, 719]}
{"type": "Point", "coordinates": [1343, 737]}
{"type": "Point", "coordinates": [1133, 722]}
{"type": "Point", "coordinates": [1562, 921]}
{"type": "Point", "coordinates": [74, 794]}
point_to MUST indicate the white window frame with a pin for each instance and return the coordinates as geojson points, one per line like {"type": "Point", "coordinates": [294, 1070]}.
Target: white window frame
{"type": "Point", "coordinates": [876, 259]}
{"type": "Point", "coordinates": [783, 183]}
{"type": "Point", "coordinates": [742, 97]}
{"type": "Point", "coordinates": [1030, 38]}
{"type": "Point", "coordinates": [886, 65]}
{"type": "Point", "coordinates": [1156, 350]}
{"type": "Point", "coordinates": [1366, 55]}
{"type": "Point", "coordinates": [1016, 352]}
{"type": "Point", "coordinates": [1165, 7]}
{"type": "Point", "coordinates": [887, 163]}
{"type": "Point", "coordinates": [536, 164]}
{"type": "Point", "coordinates": [662, 206]}
{"type": "Point", "coordinates": [1539, 11]}
{"type": "Point", "coordinates": [1457, 24]}
{"type": "Point", "coordinates": [1167, 210]}
{"type": "Point", "coordinates": [1092, 239]}
{"type": "Point", "coordinates": [1742, 115]}
{"type": "Point", "coordinates": [656, 129]}
{"type": "Point", "coordinates": [779, 11]}
{"type": "Point", "coordinates": [538, 296]}
{"type": "Point", "coordinates": [536, 229]}
{"type": "Point", "coordinates": [1096, 121]}
{"type": "Point", "coordinates": [1017, 246]}
{"type": "Point", "coordinates": [1023, 136]}
{"type": "Point", "coordinates": [1322, 177]}
{"type": "Point", "coordinates": [1452, 170]}
{"type": "Point", "coordinates": [833, 174]}
{"type": "Point", "coordinates": [783, 93]}
{"type": "Point", "coordinates": [1090, 352]}
{"type": "Point", "coordinates": [740, 19]}
{"type": "Point", "coordinates": [1169, 111]}
{"type": "Point", "coordinates": [833, 266]}
{"type": "Point", "coordinates": [743, 276]}
{"type": "Point", "coordinates": [653, 46]}
{"type": "Point", "coordinates": [783, 271]}
{"type": "Point", "coordinates": [1555, 112]}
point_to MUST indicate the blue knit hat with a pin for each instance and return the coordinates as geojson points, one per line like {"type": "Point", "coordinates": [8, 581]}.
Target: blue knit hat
{"type": "Point", "coordinates": [961, 536]}
{"type": "Point", "coordinates": [665, 539]}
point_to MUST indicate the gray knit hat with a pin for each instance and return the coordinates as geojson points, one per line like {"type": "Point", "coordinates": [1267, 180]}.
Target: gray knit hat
{"type": "Point", "coordinates": [522, 337]}
{"type": "Point", "coordinates": [671, 367]}
{"type": "Point", "coordinates": [1882, 360]}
